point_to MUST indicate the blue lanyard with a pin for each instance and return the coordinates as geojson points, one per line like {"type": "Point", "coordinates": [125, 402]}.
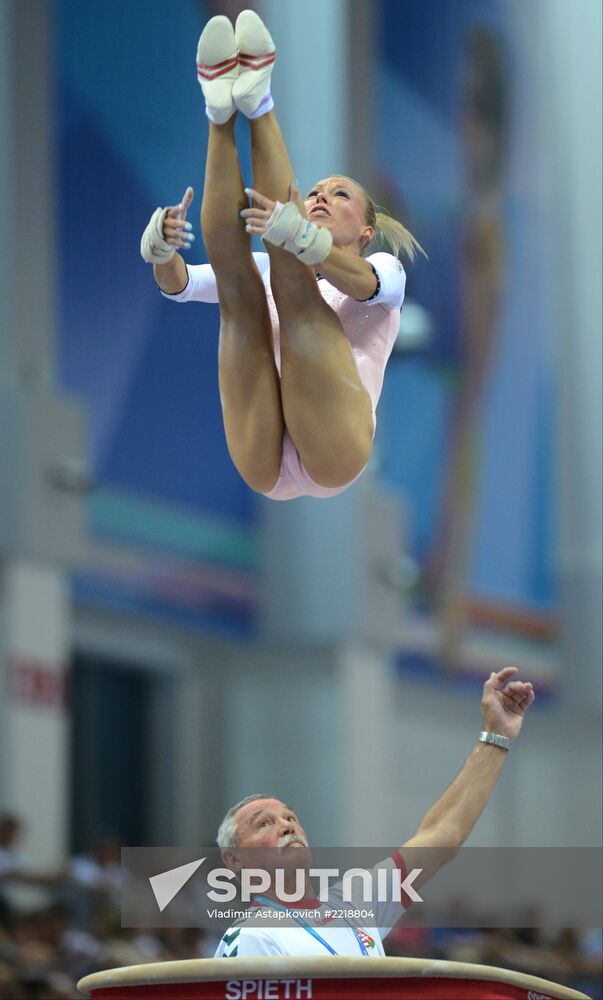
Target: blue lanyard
{"type": "Point", "coordinates": [270, 903]}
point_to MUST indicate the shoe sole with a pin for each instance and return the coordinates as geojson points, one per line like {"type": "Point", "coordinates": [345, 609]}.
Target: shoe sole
{"type": "Point", "coordinates": [217, 66]}
{"type": "Point", "coordinates": [256, 53]}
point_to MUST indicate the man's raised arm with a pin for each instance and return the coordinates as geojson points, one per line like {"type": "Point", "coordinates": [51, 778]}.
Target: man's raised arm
{"type": "Point", "coordinates": [449, 822]}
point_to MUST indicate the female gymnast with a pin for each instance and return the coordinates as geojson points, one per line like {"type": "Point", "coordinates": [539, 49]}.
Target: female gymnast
{"type": "Point", "coordinates": [306, 328]}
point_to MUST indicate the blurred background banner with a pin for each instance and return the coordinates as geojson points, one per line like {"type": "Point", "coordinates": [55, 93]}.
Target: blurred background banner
{"type": "Point", "coordinates": [468, 433]}
{"type": "Point", "coordinates": [131, 135]}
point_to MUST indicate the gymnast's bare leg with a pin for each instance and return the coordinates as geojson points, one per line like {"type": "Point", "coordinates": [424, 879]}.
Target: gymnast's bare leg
{"type": "Point", "coordinates": [249, 381]}
{"type": "Point", "coordinates": [320, 398]}
{"type": "Point", "coordinates": [326, 408]}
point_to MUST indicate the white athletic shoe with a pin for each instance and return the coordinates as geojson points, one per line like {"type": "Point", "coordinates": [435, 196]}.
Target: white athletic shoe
{"type": "Point", "coordinates": [251, 91]}
{"type": "Point", "coordinates": [218, 68]}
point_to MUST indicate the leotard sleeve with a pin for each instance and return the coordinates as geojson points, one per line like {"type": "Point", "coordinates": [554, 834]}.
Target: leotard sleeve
{"type": "Point", "coordinates": [201, 285]}
{"type": "Point", "coordinates": [391, 280]}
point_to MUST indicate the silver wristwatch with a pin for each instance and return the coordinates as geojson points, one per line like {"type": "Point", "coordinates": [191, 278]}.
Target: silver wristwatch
{"type": "Point", "coordinates": [496, 739]}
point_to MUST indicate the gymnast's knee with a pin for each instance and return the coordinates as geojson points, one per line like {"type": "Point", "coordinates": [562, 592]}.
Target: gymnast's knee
{"type": "Point", "coordinates": [339, 468]}
{"type": "Point", "coordinates": [259, 479]}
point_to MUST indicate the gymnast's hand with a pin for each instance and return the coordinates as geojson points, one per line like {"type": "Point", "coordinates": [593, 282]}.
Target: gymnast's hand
{"type": "Point", "coordinates": [286, 226]}
{"type": "Point", "coordinates": [505, 701]}
{"type": "Point", "coordinates": [258, 215]}
{"type": "Point", "coordinates": [176, 229]}
{"type": "Point", "coordinates": [167, 231]}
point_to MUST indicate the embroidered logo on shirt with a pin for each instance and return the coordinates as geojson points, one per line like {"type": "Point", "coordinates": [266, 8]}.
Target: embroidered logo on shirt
{"type": "Point", "coordinates": [366, 939]}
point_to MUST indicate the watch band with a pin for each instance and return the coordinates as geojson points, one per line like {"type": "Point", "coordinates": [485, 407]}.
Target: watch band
{"type": "Point", "coordinates": [496, 740]}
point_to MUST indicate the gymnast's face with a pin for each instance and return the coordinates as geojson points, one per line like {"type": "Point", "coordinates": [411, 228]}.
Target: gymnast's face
{"type": "Point", "coordinates": [339, 204]}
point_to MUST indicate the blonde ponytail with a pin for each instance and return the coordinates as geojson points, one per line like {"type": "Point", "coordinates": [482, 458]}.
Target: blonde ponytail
{"type": "Point", "coordinates": [393, 234]}
{"type": "Point", "coordinates": [389, 232]}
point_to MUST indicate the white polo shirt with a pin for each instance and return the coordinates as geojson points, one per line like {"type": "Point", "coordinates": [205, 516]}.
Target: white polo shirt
{"type": "Point", "coordinates": [316, 936]}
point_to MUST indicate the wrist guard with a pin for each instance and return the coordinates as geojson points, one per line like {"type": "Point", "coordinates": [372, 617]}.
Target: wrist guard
{"type": "Point", "coordinates": [287, 228]}
{"type": "Point", "coordinates": [153, 247]}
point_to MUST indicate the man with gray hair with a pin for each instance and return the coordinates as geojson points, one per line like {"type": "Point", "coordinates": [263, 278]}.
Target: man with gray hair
{"type": "Point", "coordinates": [262, 832]}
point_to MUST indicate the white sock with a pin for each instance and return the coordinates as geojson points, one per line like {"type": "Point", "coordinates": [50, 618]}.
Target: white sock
{"type": "Point", "coordinates": [265, 105]}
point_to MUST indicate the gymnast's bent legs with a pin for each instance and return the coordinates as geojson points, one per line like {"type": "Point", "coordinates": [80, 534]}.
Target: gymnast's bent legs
{"type": "Point", "coordinates": [319, 396]}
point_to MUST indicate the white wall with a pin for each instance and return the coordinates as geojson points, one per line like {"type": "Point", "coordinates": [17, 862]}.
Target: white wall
{"type": "Point", "coordinates": [550, 790]}
{"type": "Point", "coordinates": [283, 733]}
{"type": "Point", "coordinates": [7, 361]}
{"type": "Point", "coordinates": [34, 647]}
{"type": "Point", "coordinates": [363, 753]}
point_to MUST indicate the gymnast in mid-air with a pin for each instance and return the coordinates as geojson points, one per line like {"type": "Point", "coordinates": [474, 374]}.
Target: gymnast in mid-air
{"type": "Point", "coordinates": [306, 328]}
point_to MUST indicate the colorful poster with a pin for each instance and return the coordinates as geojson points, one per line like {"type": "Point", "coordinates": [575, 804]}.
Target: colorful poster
{"type": "Point", "coordinates": [175, 522]}
{"type": "Point", "coordinates": [467, 417]}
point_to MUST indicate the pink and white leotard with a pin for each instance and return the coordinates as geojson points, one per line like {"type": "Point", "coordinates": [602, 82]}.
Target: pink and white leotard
{"type": "Point", "coordinates": [371, 328]}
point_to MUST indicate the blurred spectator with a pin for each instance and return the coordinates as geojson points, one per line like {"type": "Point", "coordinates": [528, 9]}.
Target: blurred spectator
{"type": "Point", "coordinates": [10, 831]}
{"type": "Point", "coordinates": [13, 868]}
{"type": "Point", "coordinates": [100, 868]}
{"type": "Point", "coordinates": [568, 956]}
{"type": "Point", "coordinates": [95, 881]}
